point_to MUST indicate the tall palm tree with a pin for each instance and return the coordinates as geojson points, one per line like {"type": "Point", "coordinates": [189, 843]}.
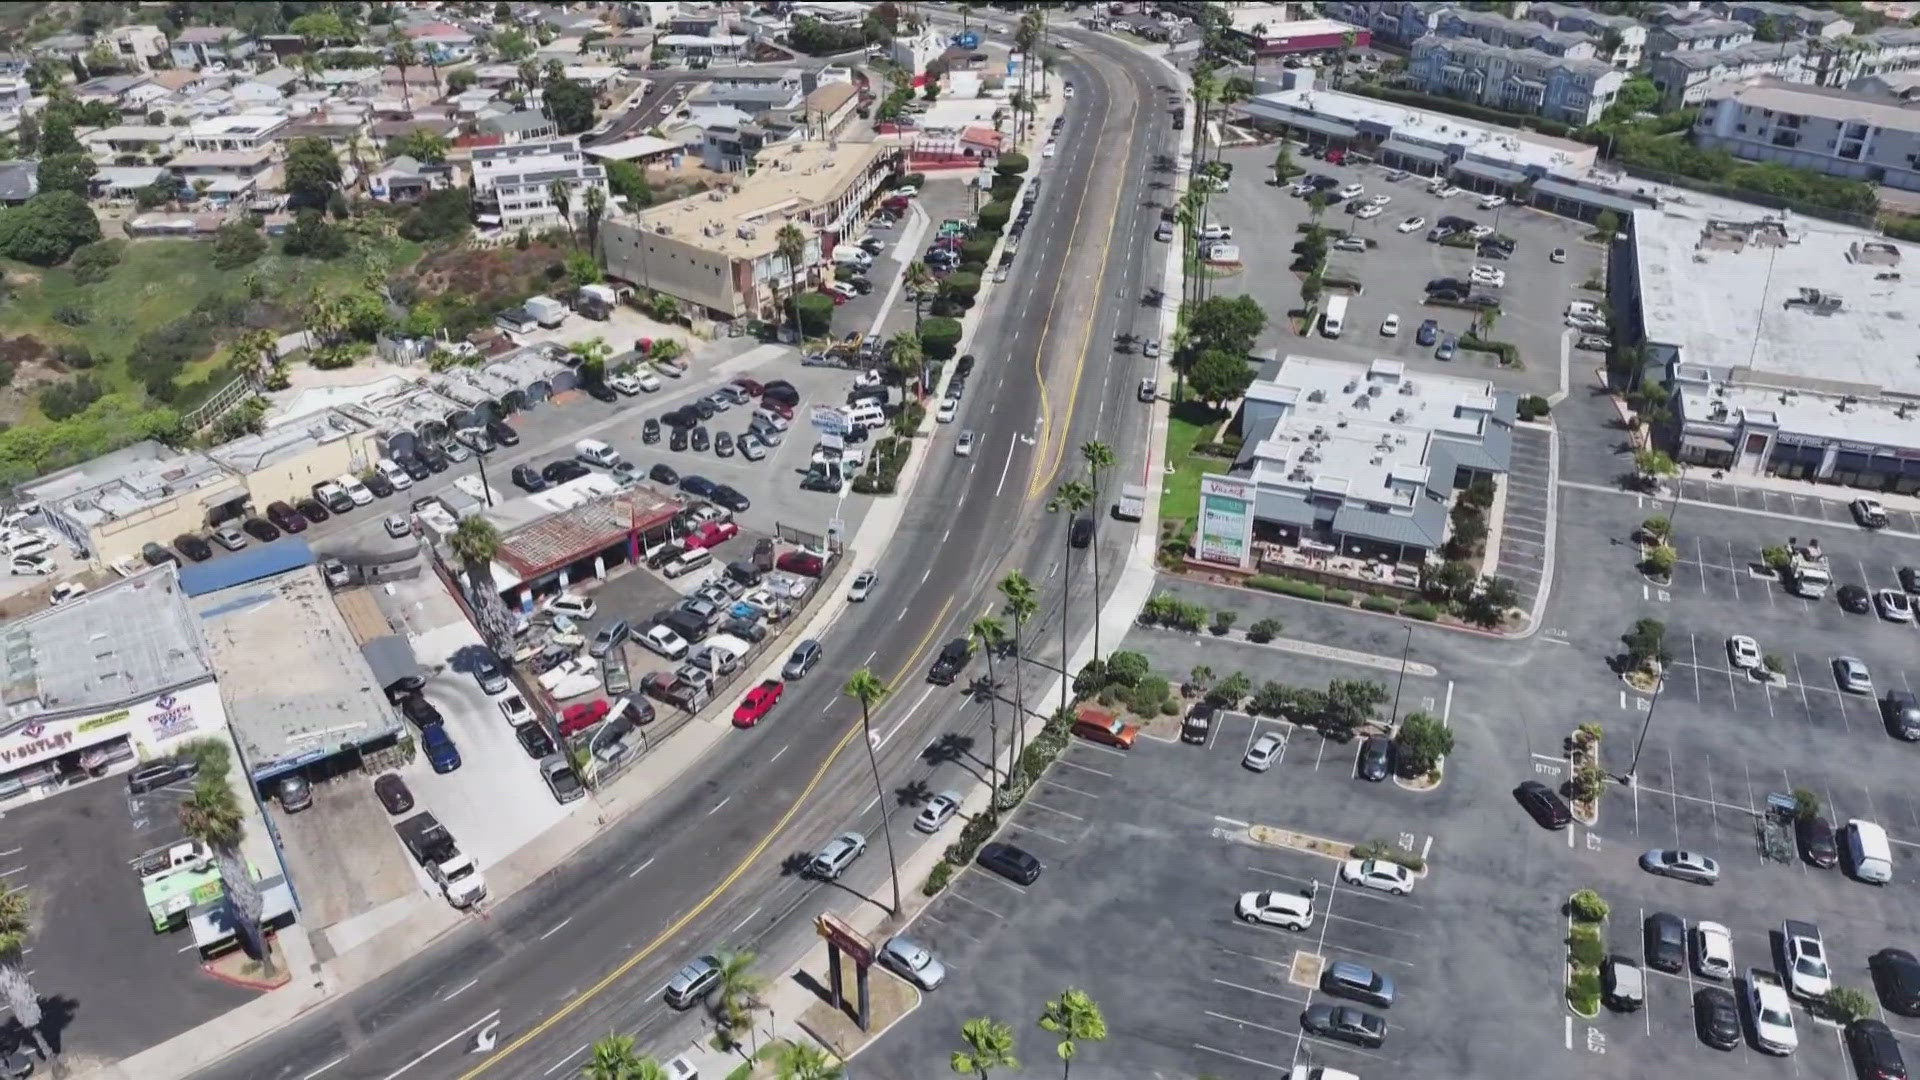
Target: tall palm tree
{"type": "Point", "coordinates": [1021, 604]}
{"type": "Point", "coordinates": [1071, 496]}
{"type": "Point", "coordinates": [908, 357]}
{"type": "Point", "coordinates": [212, 816]}
{"type": "Point", "coordinates": [989, 1046]}
{"type": "Point", "coordinates": [920, 280]}
{"type": "Point", "coordinates": [474, 543]}
{"type": "Point", "coordinates": [866, 688]}
{"type": "Point", "coordinates": [988, 633]}
{"type": "Point", "coordinates": [614, 1058]}
{"type": "Point", "coordinates": [1027, 36]}
{"type": "Point", "coordinates": [596, 210]}
{"type": "Point", "coordinates": [805, 1061]}
{"type": "Point", "coordinates": [1076, 1018]}
{"type": "Point", "coordinates": [562, 197]}
{"type": "Point", "coordinates": [16, 989]}
{"type": "Point", "coordinates": [791, 244]}
{"type": "Point", "coordinates": [404, 57]}
{"type": "Point", "coordinates": [1099, 458]}
{"type": "Point", "coordinates": [310, 68]}
{"type": "Point", "coordinates": [739, 991]}
{"type": "Point", "coordinates": [1347, 41]}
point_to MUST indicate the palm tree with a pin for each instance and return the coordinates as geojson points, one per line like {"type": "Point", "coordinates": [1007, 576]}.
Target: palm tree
{"type": "Point", "coordinates": [805, 1061]}
{"type": "Point", "coordinates": [919, 279]}
{"type": "Point", "coordinates": [864, 687]}
{"type": "Point", "coordinates": [596, 209]}
{"type": "Point", "coordinates": [404, 57]}
{"type": "Point", "coordinates": [1076, 1018]}
{"type": "Point", "coordinates": [1027, 36]}
{"type": "Point", "coordinates": [16, 989]}
{"type": "Point", "coordinates": [1021, 605]}
{"type": "Point", "coordinates": [989, 1046]}
{"type": "Point", "coordinates": [1099, 458]}
{"type": "Point", "coordinates": [988, 632]}
{"type": "Point", "coordinates": [791, 244]}
{"type": "Point", "coordinates": [739, 991]}
{"type": "Point", "coordinates": [562, 197]}
{"type": "Point", "coordinates": [1347, 41]}
{"type": "Point", "coordinates": [1071, 496]}
{"type": "Point", "coordinates": [474, 543]}
{"type": "Point", "coordinates": [310, 68]}
{"type": "Point", "coordinates": [908, 358]}
{"type": "Point", "coordinates": [614, 1058]}
{"type": "Point", "coordinates": [212, 816]}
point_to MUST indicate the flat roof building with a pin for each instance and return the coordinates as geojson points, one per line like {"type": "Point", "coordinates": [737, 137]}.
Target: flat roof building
{"type": "Point", "coordinates": [1836, 132]}
{"type": "Point", "coordinates": [284, 462]}
{"type": "Point", "coordinates": [115, 504]}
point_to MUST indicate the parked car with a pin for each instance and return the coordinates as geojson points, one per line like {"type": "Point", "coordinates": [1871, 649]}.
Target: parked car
{"type": "Point", "coordinates": [1010, 862]}
{"type": "Point", "coordinates": [1545, 804]}
{"type": "Point", "coordinates": [193, 547]}
{"type": "Point", "coordinates": [392, 792]}
{"type": "Point", "coordinates": [1683, 865]}
{"type": "Point", "coordinates": [1345, 1023]}
{"type": "Point", "coordinates": [260, 529]}
{"type": "Point", "coordinates": [286, 517]}
{"type": "Point", "coordinates": [1665, 940]}
{"type": "Point", "coordinates": [1375, 759]}
{"type": "Point", "coordinates": [1716, 1017]}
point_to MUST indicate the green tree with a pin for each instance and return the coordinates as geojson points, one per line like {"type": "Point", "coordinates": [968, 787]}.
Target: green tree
{"type": "Point", "coordinates": [16, 988]}
{"type": "Point", "coordinates": [940, 337]}
{"type": "Point", "coordinates": [1071, 498]}
{"type": "Point", "coordinates": [989, 1047]}
{"type": "Point", "coordinates": [596, 211]}
{"type": "Point", "coordinates": [67, 172]}
{"type": "Point", "coordinates": [47, 228]}
{"type": "Point", "coordinates": [805, 1061]}
{"type": "Point", "coordinates": [1350, 703]}
{"type": "Point", "coordinates": [322, 28]}
{"type": "Point", "coordinates": [568, 104]}
{"type": "Point", "coordinates": [1421, 741]}
{"type": "Point", "coordinates": [1652, 463]}
{"type": "Point", "coordinates": [1022, 601]}
{"type": "Point", "coordinates": [424, 145]}
{"type": "Point", "coordinates": [309, 235]}
{"type": "Point", "coordinates": [1099, 458]}
{"type": "Point", "coordinates": [1283, 165]}
{"type": "Point", "coordinates": [212, 815]}
{"type": "Point", "coordinates": [562, 195]}
{"type": "Point", "coordinates": [738, 994]}
{"type": "Point", "coordinates": [922, 281]}
{"type": "Point", "coordinates": [1232, 324]}
{"type": "Point", "coordinates": [1232, 690]}
{"type": "Point", "coordinates": [629, 181]}
{"type": "Point", "coordinates": [1607, 224]}
{"type": "Point", "coordinates": [815, 313]}
{"type": "Point", "coordinates": [475, 542]}
{"type": "Point", "coordinates": [404, 56]}
{"type": "Point", "coordinates": [312, 172]}
{"type": "Point", "coordinates": [866, 688]}
{"type": "Point", "coordinates": [1076, 1018]}
{"type": "Point", "coordinates": [791, 245]}
{"type": "Point", "coordinates": [906, 356]}
{"type": "Point", "coordinates": [614, 1058]}
{"type": "Point", "coordinates": [1219, 376]}
{"type": "Point", "coordinates": [989, 634]}
{"type": "Point", "coordinates": [1646, 642]}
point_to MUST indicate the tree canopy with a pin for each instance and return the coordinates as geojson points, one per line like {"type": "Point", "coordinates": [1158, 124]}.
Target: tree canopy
{"type": "Point", "coordinates": [1230, 324]}
{"type": "Point", "coordinates": [313, 172]}
{"type": "Point", "coordinates": [47, 228]}
{"type": "Point", "coordinates": [569, 105]}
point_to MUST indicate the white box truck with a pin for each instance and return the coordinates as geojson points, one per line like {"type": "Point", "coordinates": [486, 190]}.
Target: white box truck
{"type": "Point", "coordinates": [1132, 504]}
{"type": "Point", "coordinates": [547, 311]}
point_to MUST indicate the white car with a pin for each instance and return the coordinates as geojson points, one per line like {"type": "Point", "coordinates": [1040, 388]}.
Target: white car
{"type": "Point", "coordinates": [397, 526]}
{"type": "Point", "coordinates": [1558, 255]}
{"type": "Point", "coordinates": [1306, 1071]}
{"type": "Point", "coordinates": [1412, 224]}
{"type": "Point", "coordinates": [1743, 652]}
{"type": "Point", "coordinates": [937, 811]}
{"type": "Point", "coordinates": [1379, 200]}
{"type": "Point", "coordinates": [1444, 191]}
{"type": "Point", "coordinates": [1067, 91]}
{"type": "Point", "coordinates": [1291, 910]}
{"type": "Point", "coordinates": [1390, 326]}
{"type": "Point", "coordinates": [515, 709]}
{"type": "Point", "coordinates": [1378, 874]}
{"type": "Point", "coordinates": [1368, 212]}
{"type": "Point", "coordinates": [1712, 951]}
{"type": "Point", "coordinates": [355, 490]}
{"type": "Point", "coordinates": [1352, 191]}
{"type": "Point", "coordinates": [1301, 189]}
{"type": "Point", "coordinates": [863, 584]}
{"type": "Point", "coordinates": [1492, 201]}
{"type": "Point", "coordinates": [866, 379]}
{"type": "Point", "coordinates": [663, 640]}
{"type": "Point", "coordinates": [963, 446]}
{"type": "Point", "coordinates": [572, 678]}
{"type": "Point", "coordinates": [750, 448]}
{"type": "Point", "coordinates": [1894, 605]}
{"type": "Point", "coordinates": [1047, 150]}
{"type": "Point", "coordinates": [1265, 751]}
{"type": "Point", "coordinates": [1808, 976]}
{"type": "Point", "coordinates": [395, 475]}
{"type": "Point", "coordinates": [65, 591]}
{"type": "Point", "coordinates": [1493, 279]}
{"type": "Point", "coordinates": [1480, 232]}
{"type": "Point", "coordinates": [1852, 674]}
{"type": "Point", "coordinates": [32, 565]}
{"type": "Point", "coordinates": [625, 384]}
{"type": "Point", "coordinates": [1586, 322]}
{"type": "Point", "coordinates": [1772, 1013]}
{"type": "Point", "coordinates": [949, 409]}
{"type": "Point", "coordinates": [1350, 243]}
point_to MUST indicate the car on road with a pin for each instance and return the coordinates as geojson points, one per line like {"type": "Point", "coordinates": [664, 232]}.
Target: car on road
{"type": "Point", "coordinates": [1379, 874]}
{"type": "Point", "coordinates": [1717, 1017]}
{"type": "Point", "coordinates": [1869, 513]}
{"type": "Point", "coordinates": [1412, 224]}
{"type": "Point", "coordinates": [1545, 804]}
{"type": "Point", "coordinates": [1682, 865]}
{"type": "Point", "coordinates": [1428, 333]}
{"type": "Point", "coordinates": [963, 445]}
{"type": "Point", "coordinates": [1896, 977]}
{"type": "Point", "coordinates": [397, 526]}
{"type": "Point", "coordinates": [1390, 326]}
{"type": "Point", "coordinates": [937, 811]}
{"type": "Point", "coordinates": [693, 982]}
{"type": "Point", "coordinates": [1375, 759]}
{"type": "Point", "coordinates": [758, 701]}
{"type": "Point", "coordinates": [832, 860]}
{"type": "Point", "coordinates": [805, 655]}
{"type": "Point", "coordinates": [1289, 909]}
{"type": "Point", "coordinates": [1814, 835]}
{"type": "Point", "coordinates": [1712, 951]}
{"type": "Point", "coordinates": [951, 661]}
{"type": "Point", "coordinates": [392, 792]}
{"type": "Point", "coordinates": [1358, 982]}
{"type": "Point", "coordinates": [1852, 675]}
{"type": "Point", "coordinates": [862, 586]}
{"type": "Point", "coordinates": [561, 779]}
{"type": "Point", "coordinates": [1876, 1053]}
{"type": "Point", "coordinates": [1855, 599]}
{"type": "Point", "coordinates": [949, 408]}
{"type": "Point", "coordinates": [1808, 976]}
{"type": "Point", "coordinates": [1010, 862]}
{"type": "Point", "coordinates": [1772, 1013]}
{"type": "Point", "coordinates": [1264, 751]}
{"type": "Point", "coordinates": [1558, 255]}
{"type": "Point", "coordinates": [1345, 1023]}
{"type": "Point", "coordinates": [1893, 605]}
{"type": "Point", "coordinates": [1665, 939]}
{"type": "Point", "coordinates": [913, 962]}
{"type": "Point", "coordinates": [1743, 652]}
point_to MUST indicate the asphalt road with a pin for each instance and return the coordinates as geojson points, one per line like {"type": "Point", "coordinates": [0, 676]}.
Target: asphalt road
{"type": "Point", "coordinates": [707, 863]}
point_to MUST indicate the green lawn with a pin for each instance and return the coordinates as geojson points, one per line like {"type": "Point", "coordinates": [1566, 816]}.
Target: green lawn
{"type": "Point", "coordinates": [1188, 424]}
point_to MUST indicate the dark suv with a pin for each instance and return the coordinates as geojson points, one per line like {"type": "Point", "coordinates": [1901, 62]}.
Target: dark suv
{"type": "Point", "coordinates": [1902, 712]}
{"type": "Point", "coordinates": [951, 661]}
{"type": "Point", "coordinates": [158, 774]}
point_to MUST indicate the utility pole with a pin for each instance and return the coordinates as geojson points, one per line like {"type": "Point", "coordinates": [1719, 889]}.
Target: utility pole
{"type": "Point", "coordinates": [1404, 650]}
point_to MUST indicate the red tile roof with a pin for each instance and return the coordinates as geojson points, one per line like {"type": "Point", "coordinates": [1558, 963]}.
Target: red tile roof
{"type": "Point", "coordinates": [570, 535]}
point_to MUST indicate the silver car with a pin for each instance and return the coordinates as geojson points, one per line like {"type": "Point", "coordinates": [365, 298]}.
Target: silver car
{"type": "Point", "coordinates": [1852, 675]}
{"type": "Point", "coordinates": [692, 982]}
{"type": "Point", "coordinates": [1684, 865]}
{"type": "Point", "coordinates": [938, 810]}
{"type": "Point", "coordinates": [833, 860]}
{"type": "Point", "coordinates": [912, 961]}
{"type": "Point", "coordinates": [805, 655]}
{"type": "Point", "coordinates": [1264, 751]}
{"type": "Point", "coordinates": [561, 779]}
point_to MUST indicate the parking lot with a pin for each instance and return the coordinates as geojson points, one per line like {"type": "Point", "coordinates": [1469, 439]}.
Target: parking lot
{"type": "Point", "coordinates": [1397, 266]}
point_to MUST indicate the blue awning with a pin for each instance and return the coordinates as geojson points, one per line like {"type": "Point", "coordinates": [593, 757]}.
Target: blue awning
{"type": "Point", "coordinates": [1586, 196]}
{"type": "Point", "coordinates": [1487, 170]}
{"type": "Point", "coordinates": [1334, 128]}
{"type": "Point", "coordinates": [1415, 151]}
{"type": "Point", "coordinates": [240, 567]}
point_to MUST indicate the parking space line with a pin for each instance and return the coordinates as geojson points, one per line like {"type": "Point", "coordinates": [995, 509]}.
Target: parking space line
{"type": "Point", "coordinates": [1281, 876]}
{"type": "Point", "coordinates": [1244, 1023]}
{"type": "Point", "coordinates": [1348, 1047]}
{"type": "Point", "coordinates": [1031, 801]}
{"type": "Point", "coordinates": [1373, 925]}
{"type": "Point", "coordinates": [970, 902]}
{"type": "Point", "coordinates": [1103, 749]}
{"type": "Point", "coordinates": [1062, 760]}
{"type": "Point", "coordinates": [1042, 833]}
{"type": "Point", "coordinates": [1257, 990]}
{"type": "Point", "coordinates": [1239, 1057]}
{"type": "Point", "coordinates": [1075, 790]}
{"type": "Point", "coordinates": [1676, 803]}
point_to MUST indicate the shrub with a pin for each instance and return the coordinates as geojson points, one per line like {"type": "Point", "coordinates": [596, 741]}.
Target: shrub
{"type": "Point", "coordinates": [937, 880]}
{"type": "Point", "coordinates": [1223, 620]}
{"type": "Point", "coordinates": [1533, 407]}
{"type": "Point", "coordinates": [71, 315]}
{"type": "Point", "coordinates": [1169, 707]}
{"type": "Point", "coordinates": [1387, 604]}
{"type": "Point", "coordinates": [1421, 741]}
{"type": "Point", "coordinates": [1587, 907]}
{"type": "Point", "coordinates": [940, 338]}
{"type": "Point", "coordinates": [1587, 733]}
{"type": "Point", "coordinates": [1584, 946]}
{"type": "Point", "coordinates": [1845, 1004]}
{"type": "Point", "coordinates": [1305, 590]}
{"type": "Point", "coordinates": [1659, 561]}
{"type": "Point", "coordinates": [1583, 992]}
{"type": "Point", "coordinates": [1264, 631]}
{"type": "Point", "coordinates": [95, 261]}
{"type": "Point", "coordinates": [1126, 668]}
{"type": "Point", "coordinates": [1776, 558]}
{"type": "Point", "coordinates": [1773, 663]}
{"type": "Point", "coordinates": [1658, 526]}
{"type": "Point", "coordinates": [1147, 694]}
{"type": "Point", "coordinates": [1421, 610]}
{"type": "Point", "coordinates": [993, 216]}
{"type": "Point", "coordinates": [972, 835]}
{"type": "Point", "coordinates": [1339, 596]}
{"type": "Point", "coordinates": [1011, 165]}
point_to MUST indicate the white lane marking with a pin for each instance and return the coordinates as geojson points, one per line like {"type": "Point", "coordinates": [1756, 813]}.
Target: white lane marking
{"type": "Point", "coordinates": [776, 756]}
{"type": "Point", "coordinates": [576, 1052]}
{"type": "Point", "coordinates": [557, 927]}
{"type": "Point", "coordinates": [745, 921]}
{"type": "Point", "coordinates": [449, 1041]}
{"type": "Point", "coordinates": [1004, 469]}
{"type": "Point", "coordinates": [636, 870]}
{"type": "Point", "coordinates": [325, 1067]}
{"type": "Point", "coordinates": [451, 994]}
{"type": "Point", "coordinates": [718, 805]}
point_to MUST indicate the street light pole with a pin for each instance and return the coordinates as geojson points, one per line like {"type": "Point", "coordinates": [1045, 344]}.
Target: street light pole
{"type": "Point", "coordinates": [1404, 650]}
{"type": "Point", "coordinates": [1631, 776]}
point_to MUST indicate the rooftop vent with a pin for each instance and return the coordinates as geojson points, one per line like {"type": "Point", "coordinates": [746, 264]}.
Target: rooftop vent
{"type": "Point", "coordinates": [1815, 301]}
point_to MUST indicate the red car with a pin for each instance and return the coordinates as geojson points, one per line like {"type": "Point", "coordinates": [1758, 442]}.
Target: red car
{"type": "Point", "coordinates": [578, 718]}
{"type": "Point", "coordinates": [758, 702]}
{"type": "Point", "coordinates": [804, 563]}
{"type": "Point", "coordinates": [838, 298]}
{"type": "Point", "coordinates": [779, 408]}
{"type": "Point", "coordinates": [711, 533]}
{"type": "Point", "coordinates": [751, 387]}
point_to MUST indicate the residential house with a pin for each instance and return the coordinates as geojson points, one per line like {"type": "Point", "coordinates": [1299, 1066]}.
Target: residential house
{"type": "Point", "coordinates": [1624, 35]}
{"type": "Point", "coordinates": [442, 43]}
{"type": "Point", "coordinates": [1705, 35]}
{"type": "Point", "coordinates": [151, 140]}
{"type": "Point", "coordinates": [1392, 22]}
{"type": "Point", "coordinates": [1683, 77]}
{"type": "Point", "coordinates": [16, 94]}
{"type": "Point", "coordinates": [125, 181]}
{"type": "Point", "coordinates": [253, 94]}
{"type": "Point", "coordinates": [912, 52]}
{"type": "Point", "coordinates": [111, 89]}
{"type": "Point", "coordinates": [62, 46]}
{"type": "Point", "coordinates": [1894, 49]}
{"type": "Point", "coordinates": [205, 46]}
{"type": "Point", "coordinates": [1570, 90]}
{"type": "Point", "coordinates": [519, 127]}
{"type": "Point", "coordinates": [1496, 29]}
{"type": "Point", "coordinates": [513, 183]}
{"type": "Point", "coordinates": [627, 50]}
{"type": "Point", "coordinates": [1901, 85]}
{"type": "Point", "coordinates": [339, 132]}
{"type": "Point", "coordinates": [224, 176]}
{"type": "Point", "coordinates": [828, 108]}
{"type": "Point", "coordinates": [705, 48]}
{"type": "Point", "coordinates": [696, 20]}
{"type": "Point", "coordinates": [406, 180]}
{"type": "Point", "coordinates": [138, 47]}
{"type": "Point", "coordinates": [1836, 132]}
{"type": "Point", "coordinates": [247, 131]}
{"type": "Point", "coordinates": [733, 147]}
{"type": "Point", "coordinates": [1794, 18]}
{"type": "Point", "coordinates": [756, 96]}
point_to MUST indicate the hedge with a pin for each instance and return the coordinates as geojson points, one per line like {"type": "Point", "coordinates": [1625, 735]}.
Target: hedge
{"type": "Point", "coordinates": [993, 216]}
{"type": "Point", "coordinates": [1011, 165]}
{"type": "Point", "coordinates": [937, 880]}
{"type": "Point", "coordinates": [1381, 603]}
{"type": "Point", "coordinates": [1305, 590]}
{"type": "Point", "coordinates": [1339, 596]}
{"type": "Point", "coordinates": [1508, 354]}
{"type": "Point", "coordinates": [1421, 610]}
{"type": "Point", "coordinates": [940, 337]}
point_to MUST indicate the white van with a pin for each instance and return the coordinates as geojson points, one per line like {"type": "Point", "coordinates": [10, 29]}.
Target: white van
{"type": "Point", "coordinates": [395, 475]}
{"type": "Point", "coordinates": [1867, 852]}
{"type": "Point", "coordinates": [851, 255]}
{"type": "Point", "coordinates": [1213, 231]}
{"type": "Point", "coordinates": [595, 452]}
{"type": "Point", "coordinates": [574, 606]}
{"type": "Point", "coordinates": [867, 415]}
{"type": "Point", "coordinates": [688, 563]}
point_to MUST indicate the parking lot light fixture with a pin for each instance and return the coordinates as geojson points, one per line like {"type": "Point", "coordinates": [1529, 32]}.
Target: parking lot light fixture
{"type": "Point", "coordinates": [1631, 776]}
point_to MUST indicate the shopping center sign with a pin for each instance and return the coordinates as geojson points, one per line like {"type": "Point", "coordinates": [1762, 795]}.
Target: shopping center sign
{"type": "Point", "coordinates": [1226, 521]}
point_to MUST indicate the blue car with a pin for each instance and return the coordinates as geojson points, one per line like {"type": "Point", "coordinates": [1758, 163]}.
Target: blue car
{"type": "Point", "coordinates": [441, 753]}
{"type": "Point", "coordinates": [1429, 332]}
{"type": "Point", "coordinates": [698, 486]}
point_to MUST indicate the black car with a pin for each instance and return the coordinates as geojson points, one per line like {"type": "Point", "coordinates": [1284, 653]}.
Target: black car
{"type": "Point", "coordinates": [435, 458]}
{"type": "Point", "coordinates": [286, 517]}
{"type": "Point", "coordinates": [1896, 975]}
{"type": "Point", "coordinates": [1346, 1023]}
{"type": "Point", "coordinates": [703, 409]}
{"type": "Point", "coordinates": [528, 478]}
{"type": "Point", "coordinates": [1666, 942]}
{"type": "Point", "coordinates": [745, 572]}
{"type": "Point", "coordinates": [261, 529]}
{"type": "Point", "coordinates": [503, 433]}
{"type": "Point", "coordinates": [1009, 862]}
{"type": "Point", "coordinates": [392, 793]}
{"type": "Point", "coordinates": [1447, 284]}
{"type": "Point", "coordinates": [663, 555]}
{"type": "Point", "coordinates": [378, 484]}
{"type": "Point", "coordinates": [1717, 1016]}
{"type": "Point", "coordinates": [534, 740]}
{"type": "Point", "coordinates": [1910, 579]}
{"type": "Point", "coordinates": [1815, 836]}
{"type": "Point", "coordinates": [1481, 300]}
{"type": "Point", "coordinates": [559, 472]}
{"type": "Point", "coordinates": [1876, 1053]}
{"type": "Point", "coordinates": [1855, 599]}
{"type": "Point", "coordinates": [663, 474]}
{"type": "Point", "coordinates": [1080, 532]}
{"type": "Point", "coordinates": [650, 431]}
{"type": "Point", "coordinates": [1358, 982]}
{"type": "Point", "coordinates": [723, 444]}
{"type": "Point", "coordinates": [1376, 758]}
{"type": "Point", "coordinates": [417, 708]}
{"type": "Point", "coordinates": [1901, 710]}
{"type": "Point", "coordinates": [413, 466]}
{"type": "Point", "coordinates": [781, 391]}
{"type": "Point", "coordinates": [818, 481]}
{"type": "Point", "coordinates": [965, 368]}
{"type": "Point", "coordinates": [1545, 804]}
{"type": "Point", "coordinates": [698, 486]}
{"type": "Point", "coordinates": [677, 440]}
{"type": "Point", "coordinates": [730, 498]}
{"type": "Point", "coordinates": [192, 547]}
{"type": "Point", "coordinates": [404, 687]}
{"type": "Point", "coordinates": [599, 391]}
{"type": "Point", "coordinates": [700, 440]}
{"type": "Point", "coordinates": [951, 661]}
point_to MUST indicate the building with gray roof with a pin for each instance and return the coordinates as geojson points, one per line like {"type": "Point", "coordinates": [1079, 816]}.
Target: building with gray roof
{"type": "Point", "coordinates": [1496, 29]}
{"type": "Point", "coordinates": [1836, 132]}
{"type": "Point", "coordinates": [148, 493]}
{"type": "Point", "coordinates": [1572, 90]}
{"type": "Point", "coordinates": [1683, 77]}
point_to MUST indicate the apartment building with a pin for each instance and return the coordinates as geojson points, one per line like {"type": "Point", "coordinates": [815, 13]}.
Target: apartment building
{"type": "Point", "coordinates": [1683, 77]}
{"type": "Point", "coordinates": [15, 95]}
{"type": "Point", "coordinates": [1570, 90]}
{"type": "Point", "coordinates": [138, 47]}
{"type": "Point", "coordinates": [718, 251]}
{"type": "Point", "coordinates": [1394, 22]}
{"type": "Point", "coordinates": [1703, 35]}
{"type": "Point", "coordinates": [1883, 52]}
{"type": "Point", "coordinates": [1619, 39]}
{"type": "Point", "coordinates": [1837, 132]}
{"type": "Point", "coordinates": [1794, 18]}
{"type": "Point", "coordinates": [514, 184]}
{"type": "Point", "coordinates": [245, 132]}
{"type": "Point", "coordinates": [1496, 29]}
